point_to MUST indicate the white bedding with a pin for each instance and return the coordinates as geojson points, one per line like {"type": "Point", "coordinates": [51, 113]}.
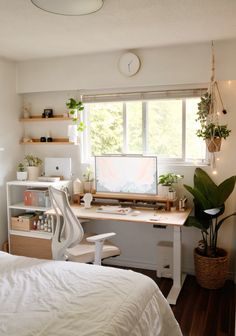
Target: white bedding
{"type": "Point", "coordinates": [47, 298]}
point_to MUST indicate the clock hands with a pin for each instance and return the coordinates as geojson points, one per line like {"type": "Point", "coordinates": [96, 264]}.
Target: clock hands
{"type": "Point", "coordinates": [129, 64]}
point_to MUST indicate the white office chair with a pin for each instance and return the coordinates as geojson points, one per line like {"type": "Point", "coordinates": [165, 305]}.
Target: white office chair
{"type": "Point", "coordinates": [69, 241]}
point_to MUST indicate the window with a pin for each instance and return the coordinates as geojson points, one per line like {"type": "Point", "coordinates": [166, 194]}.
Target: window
{"type": "Point", "coordinates": [163, 127]}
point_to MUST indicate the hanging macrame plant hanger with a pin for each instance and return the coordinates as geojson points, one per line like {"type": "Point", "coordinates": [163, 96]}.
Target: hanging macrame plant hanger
{"type": "Point", "coordinates": [216, 104]}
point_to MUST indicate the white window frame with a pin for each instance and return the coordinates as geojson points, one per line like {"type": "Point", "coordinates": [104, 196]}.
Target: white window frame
{"type": "Point", "coordinates": [167, 95]}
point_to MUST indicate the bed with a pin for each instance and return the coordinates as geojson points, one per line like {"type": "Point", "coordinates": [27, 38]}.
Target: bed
{"type": "Point", "coordinates": [47, 298]}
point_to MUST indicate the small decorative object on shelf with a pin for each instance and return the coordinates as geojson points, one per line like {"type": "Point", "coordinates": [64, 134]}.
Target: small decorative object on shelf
{"type": "Point", "coordinates": [26, 140]}
{"type": "Point", "coordinates": [26, 110]}
{"type": "Point", "coordinates": [43, 139]}
{"type": "Point", "coordinates": [49, 138]}
{"type": "Point", "coordinates": [47, 113]}
{"type": "Point", "coordinates": [21, 173]}
{"type": "Point", "coordinates": [77, 186]}
{"type": "Point", "coordinates": [88, 197]}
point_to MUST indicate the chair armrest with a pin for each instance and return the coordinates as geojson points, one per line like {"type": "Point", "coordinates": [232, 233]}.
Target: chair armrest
{"type": "Point", "coordinates": [100, 237]}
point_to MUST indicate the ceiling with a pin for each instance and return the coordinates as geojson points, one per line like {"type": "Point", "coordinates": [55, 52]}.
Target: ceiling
{"type": "Point", "coordinates": [26, 32]}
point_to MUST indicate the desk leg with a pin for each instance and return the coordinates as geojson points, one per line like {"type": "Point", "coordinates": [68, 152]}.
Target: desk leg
{"type": "Point", "coordinates": [177, 275]}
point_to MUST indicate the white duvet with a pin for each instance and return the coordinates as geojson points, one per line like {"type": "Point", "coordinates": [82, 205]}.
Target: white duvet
{"type": "Point", "coordinates": [47, 298]}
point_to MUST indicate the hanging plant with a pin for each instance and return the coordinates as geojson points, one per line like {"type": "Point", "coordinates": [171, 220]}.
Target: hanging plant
{"type": "Point", "coordinates": [210, 129]}
{"type": "Point", "coordinates": [75, 107]}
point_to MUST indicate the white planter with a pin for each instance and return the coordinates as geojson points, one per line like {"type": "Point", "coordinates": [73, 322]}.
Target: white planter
{"type": "Point", "coordinates": [77, 186]}
{"type": "Point", "coordinates": [73, 133]}
{"type": "Point", "coordinates": [163, 190]}
{"type": "Point", "coordinates": [22, 176]}
{"type": "Point", "coordinates": [33, 173]}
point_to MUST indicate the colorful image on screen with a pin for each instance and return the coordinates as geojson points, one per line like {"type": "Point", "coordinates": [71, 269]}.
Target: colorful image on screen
{"type": "Point", "coordinates": [126, 174]}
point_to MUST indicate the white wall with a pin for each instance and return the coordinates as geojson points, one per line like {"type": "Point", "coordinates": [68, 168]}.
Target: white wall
{"type": "Point", "coordinates": [179, 65]}
{"type": "Point", "coordinates": [10, 133]}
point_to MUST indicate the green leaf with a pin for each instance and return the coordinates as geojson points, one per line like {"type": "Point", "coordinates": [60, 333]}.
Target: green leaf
{"type": "Point", "coordinates": [199, 224]}
{"type": "Point", "coordinates": [206, 186]}
{"type": "Point", "coordinates": [199, 197]}
{"type": "Point", "coordinates": [225, 189]}
{"type": "Point", "coordinates": [222, 221]}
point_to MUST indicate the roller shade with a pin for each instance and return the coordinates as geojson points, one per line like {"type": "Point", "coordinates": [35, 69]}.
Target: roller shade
{"type": "Point", "coordinates": [144, 95]}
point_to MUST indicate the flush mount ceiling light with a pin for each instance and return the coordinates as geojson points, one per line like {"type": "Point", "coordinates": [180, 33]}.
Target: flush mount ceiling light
{"type": "Point", "coordinates": [69, 7]}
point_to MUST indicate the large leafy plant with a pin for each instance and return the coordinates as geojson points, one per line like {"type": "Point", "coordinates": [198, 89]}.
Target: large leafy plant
{"type": "Point", "coordinates": [209, 201]}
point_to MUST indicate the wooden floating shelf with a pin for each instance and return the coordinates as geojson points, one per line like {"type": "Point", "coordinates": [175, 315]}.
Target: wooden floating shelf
{"type": "Point", "coordinates": [56, 141]}
{"type": "Point", "coordinates": [39, 118]}
{"type": "Point", "coordinates": [128, 197]}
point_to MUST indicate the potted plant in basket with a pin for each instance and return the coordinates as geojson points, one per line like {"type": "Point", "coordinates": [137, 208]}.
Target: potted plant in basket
{"type": "Point", "coordinates": [210, 131]}
{"type": "Point", "coordinates": [211, 262]}
{"type": "Point", "coordinates": [75, 107]}
{"type": "Point", "coordinates": [166, 181]}
{"type": "Point", "coordinates": [33, 164]}
{"type": "Point", "coordinates": [21, 173]}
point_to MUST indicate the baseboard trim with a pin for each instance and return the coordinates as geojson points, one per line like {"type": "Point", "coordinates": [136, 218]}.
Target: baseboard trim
{"type": "Point", "coordinates": [148, 266]}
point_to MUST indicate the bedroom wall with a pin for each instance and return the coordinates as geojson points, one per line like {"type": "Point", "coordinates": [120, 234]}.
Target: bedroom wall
{"type": "Point", "coordinates": [178, 65]}
{"type": "Point", "coordinates": [10, 132]}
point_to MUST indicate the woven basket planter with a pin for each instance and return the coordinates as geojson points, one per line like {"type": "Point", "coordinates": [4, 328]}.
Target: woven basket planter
{"type": "Point", "coordinates": [213, 145]}
{"type": "Point", "coordinates": [211, 272]}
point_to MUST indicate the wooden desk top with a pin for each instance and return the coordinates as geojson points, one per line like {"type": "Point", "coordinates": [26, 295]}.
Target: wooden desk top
{"type": "Point", "coordinates": [147, 216]}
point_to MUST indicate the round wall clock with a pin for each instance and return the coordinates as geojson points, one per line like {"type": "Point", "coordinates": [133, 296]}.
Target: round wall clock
{"type": "Point", "coordinates": [129, 64]}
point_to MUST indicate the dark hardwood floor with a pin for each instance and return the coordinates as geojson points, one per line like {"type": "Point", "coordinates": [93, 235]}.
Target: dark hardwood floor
{"type": "Point", "coordinates": [199, 311]}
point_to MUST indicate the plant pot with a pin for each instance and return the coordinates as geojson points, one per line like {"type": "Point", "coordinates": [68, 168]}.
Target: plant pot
{"type": "Point", "coordinates": [22, 176]}
{"type": "Point", "coordinates": [73, 133]}
{"type": "Point", "coordinates": [211, 273]}
{"type": "Point", "coordinates": [213, 145]}
{"type": "Point", "coordinates": [88, 187]}
{"type": "Point", "coordinates": [33, 173]}
{"type": "Point", "coordinates": [163, 190]}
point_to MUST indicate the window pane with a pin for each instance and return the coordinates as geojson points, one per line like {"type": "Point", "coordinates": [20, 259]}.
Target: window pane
{"type": "Point", "coordinates": [106, 128]}
{"type": "Point", "coordinates": [195, 146]}
{"type": "Point", "coordinates": [134, 127]}
{"type": "Point", "coordinates": [164, 129]}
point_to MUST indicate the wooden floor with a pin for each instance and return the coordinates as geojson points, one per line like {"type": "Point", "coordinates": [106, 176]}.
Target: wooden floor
{"type": "Point", "coordinates": [199, 311]}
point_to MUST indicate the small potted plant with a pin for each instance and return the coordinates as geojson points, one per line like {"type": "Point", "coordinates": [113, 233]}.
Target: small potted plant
{"type": "Point", "coordinates": [88, 177]}
{"type": "Point", "coordinates": [33, 164]}
{"type": "Point", "coordinates": [210, 131]}
{"type": "Point", "coordinates": [211, 262]}
{"type": "Point", "coordinates": [166, 181]}
{"type": "Point", "coordinates": [75, 107]}
{"type": "Point", "coordinates": [21, 173]}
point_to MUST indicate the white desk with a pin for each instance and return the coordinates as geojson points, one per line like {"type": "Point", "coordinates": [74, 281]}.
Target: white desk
{"type": "Point", "coordinates": [174, 219]}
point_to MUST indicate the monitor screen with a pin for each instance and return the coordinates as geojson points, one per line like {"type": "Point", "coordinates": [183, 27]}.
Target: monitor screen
{"type": "Point", "coordinates": [126, 174]}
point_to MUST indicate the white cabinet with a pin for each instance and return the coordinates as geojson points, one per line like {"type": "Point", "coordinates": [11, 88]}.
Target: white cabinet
{"type": "Point", "coordinates": [28, 242]}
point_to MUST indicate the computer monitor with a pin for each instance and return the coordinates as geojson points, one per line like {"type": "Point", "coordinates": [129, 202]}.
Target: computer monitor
{"type": "Point", "coordinates": [126, 174]}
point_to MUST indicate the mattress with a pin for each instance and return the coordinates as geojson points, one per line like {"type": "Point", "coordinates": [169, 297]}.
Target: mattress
{"type": "Point", "coordinates": [57, 298]}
